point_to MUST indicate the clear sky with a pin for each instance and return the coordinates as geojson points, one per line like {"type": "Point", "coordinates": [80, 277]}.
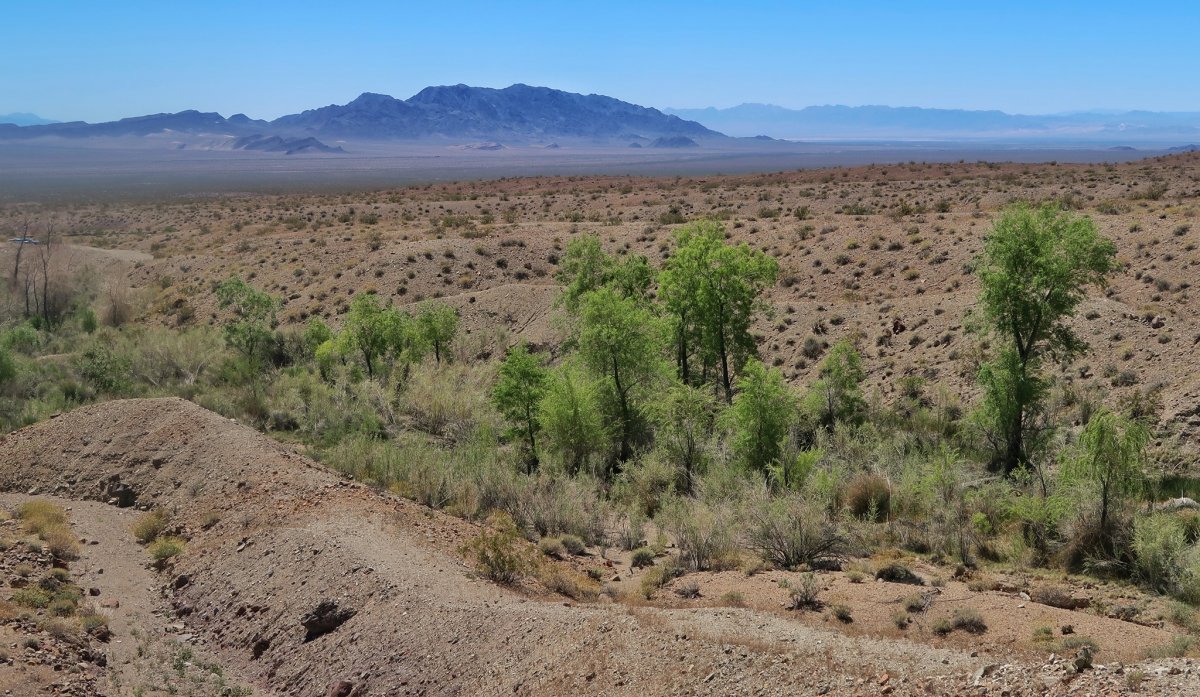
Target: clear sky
{"type": "Point", "coordinates": [93, 60]}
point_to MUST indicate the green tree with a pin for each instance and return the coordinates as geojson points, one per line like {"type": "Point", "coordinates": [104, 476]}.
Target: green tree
{"type": "Point", "coordinates": [571, 417]}
{"type": "Point", "coordinates": [316, 332]}
{"type": "Point", "coordinates": [587, 267]}
{"type": "Point", "coordinates": [836, 396]}
{"type": "Point", "coordinates": [761, 415]}
{"type": "Point", "coordinates": [438, 324]}
{"type": "Point", "coordinates": [712, 291]}
{"type": "Point", "coordinates": [248, 331]}
{"type": "Point", "coordinates": [373, 330]}
{"type": "Point", "coordinates": [620, 340]}
{"type": "Point", "coordinates": [1036, 266]}
{"type": "Point", "coordinates": [1109, 455]}
{"type": "Point", "coordinates": [684, 418]}
{"type": "Point", "coordinates": [520, 387]}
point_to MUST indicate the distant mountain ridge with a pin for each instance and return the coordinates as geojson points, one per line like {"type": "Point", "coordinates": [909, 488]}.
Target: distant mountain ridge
{"type": "Point", "coordinates": [24, 118]}
{"type": "Point", "coordinates": [519, 112]}
{"type": "Point", "coordinates": [837, 121]}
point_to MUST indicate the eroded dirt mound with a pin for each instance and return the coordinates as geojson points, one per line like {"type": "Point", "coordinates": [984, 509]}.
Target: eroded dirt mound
{"type": "Point", "coordinates": [302, 583]}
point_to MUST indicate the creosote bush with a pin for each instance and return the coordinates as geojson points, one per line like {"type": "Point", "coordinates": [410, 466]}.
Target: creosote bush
{"type": "Point", "coordinates": [789, 532]}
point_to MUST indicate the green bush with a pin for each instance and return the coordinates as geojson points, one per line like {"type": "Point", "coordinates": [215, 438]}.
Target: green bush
{"type": "Point", "coordinates": [149, 526]}
{"type": "Point", "coordinates": [642, 558]}
{"type": "Point", "coordinates": [32, 597]}
{"type": "Point", "coordinates": [164, 549]}
{"type": "Point", "coordinates": [1159, 550]}
{"type": "Point", "coordinates": [104, 369]}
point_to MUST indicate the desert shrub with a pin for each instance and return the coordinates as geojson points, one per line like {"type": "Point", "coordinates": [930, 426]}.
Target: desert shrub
{"type": "Point", "coordinates": [805, 594]}
{"type": "Point", "coordinates": [915, 603]}
{"type": "Point", "coordinates": [900, 619]}
{"type": "Point", "coordinates": [843, 614]}
{"type": "Point", "coordinates": [573, 544]}
{"type": "Point", "coordinates": [552, 547]}
{"type": "Point", "coordinates": [39, 514]}
{"type": "Point", "coordinates": [705, 535]}
{"type": "Point", "coordinates": [1177, 647]}
{"type": "Point", "coordinates": [500, 553]}
{"type": "Point", "coordinates": [966, 619]}
{"type": "Point", "coordinates": [567, 582]}
{"type": "Point", "coordinates": [854, 576]}
{"type": "Point", "coordinates": [450, 399]}
{"type": "Point", "coordinates": [869, 496]}
{"type": "Point", "coordinates": [163, 357]}
{"type": "Point", "coordinates": [60, 541]}
{"type": "Point", "coordinates": [32, 597]}
{"type": "Point", "coordinates": [658, 576]}
{"type": "Point", "coordinates": [1159, 547]}
{"type": "Point", "coordinates": [899, 573]}
{"type": "Point", "coordinates": [61, 607]}
{"type": "Point", "coordinates": [788, 532]}
{"type": "Point", "coordinates": [149, 526]}
{"type": "Point", "coordinates": [564, 506]}
{"type": "Point", "coordinates": [642, 558]}
{"type": "Point", "coordinates": [689, 590]}
{"type": "Point", "coordinates": [164, 549]}
{"type": "Point", "coordinates": [646, 483]}
{"type": "Point", "coordinates": [1054, 596]}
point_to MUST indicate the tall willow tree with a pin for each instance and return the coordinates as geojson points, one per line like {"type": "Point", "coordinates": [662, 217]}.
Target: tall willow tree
{"type": "Point", "coordinates": [1036, 266]}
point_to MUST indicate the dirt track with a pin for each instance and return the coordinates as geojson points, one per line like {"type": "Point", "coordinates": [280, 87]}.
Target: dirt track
{"type": "Point", "coordinates": [272, 535]}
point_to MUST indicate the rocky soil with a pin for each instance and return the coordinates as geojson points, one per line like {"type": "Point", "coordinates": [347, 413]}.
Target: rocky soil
{"type": "Point", "coordinates": [297, 582]}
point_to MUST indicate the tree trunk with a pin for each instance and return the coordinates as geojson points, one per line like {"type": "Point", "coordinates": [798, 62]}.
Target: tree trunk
{"type": "Point", "coordinates": [624, 404]}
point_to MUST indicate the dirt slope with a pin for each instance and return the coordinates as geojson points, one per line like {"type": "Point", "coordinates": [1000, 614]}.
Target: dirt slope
{"type": "Point", "coordinates": [273, 535]}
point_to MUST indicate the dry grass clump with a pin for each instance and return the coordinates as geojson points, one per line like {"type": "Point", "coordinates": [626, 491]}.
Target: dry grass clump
{"type": "Point", "coordinates": [164, 549]}
{"type": "Point", "coordinates": [869, 496]}
{"type": "Point", "coordinates": [500, 554]}
{"type": "Point", "coordinates": [39, 514]}
{"type": "Point", "coordinates": [657, 577]}
{"type": "Point", "coordinates": [643, 557]}
{"type": "Point", "coordinates": [150, 525]}
{"type": "Point", "coordinates": [552, 547]}
{"type": "Point", "coordinates": [48, 521]}
{"type": "Point", "coordinates": [803, 595]}
{"type": "Point", "coordinates": [573, 544]}
{"type": "Point", "coordinates": [899, 573]}
{"type": "Point", "coordinates": [966, 619]}
{"type": "Point", "coordinates": [568, 582]}
{"type": "Point", "coordinates": [61, 542]}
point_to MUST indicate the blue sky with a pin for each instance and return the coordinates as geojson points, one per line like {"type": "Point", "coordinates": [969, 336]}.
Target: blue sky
{"type": "Point", "coordinates": [103, 60]}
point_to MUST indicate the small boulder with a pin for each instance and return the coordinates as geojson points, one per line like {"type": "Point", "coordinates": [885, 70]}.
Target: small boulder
{"type": "Point", "coordinates": [325, 618]}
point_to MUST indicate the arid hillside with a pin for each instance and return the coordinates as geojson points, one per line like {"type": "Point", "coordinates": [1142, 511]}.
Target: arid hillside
{"type": "Point", "coordinates": [880, 254]}
{"type": "Point", "coordinates": [297, 582]}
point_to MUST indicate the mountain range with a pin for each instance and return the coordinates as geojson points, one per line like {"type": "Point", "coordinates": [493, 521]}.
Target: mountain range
{"type": "Point", "coordinates": [882, 122]}
{"type": "Point", "coordinates": [519, 113]}
{"type": "Point", "coordinates": [21, 118]}
{"type": "Point", "coordinates": [541, 116]}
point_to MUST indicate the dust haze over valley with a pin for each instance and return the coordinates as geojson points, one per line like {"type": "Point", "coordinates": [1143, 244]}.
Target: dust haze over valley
{"type": "Point", "coordinates": [536, 391]}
